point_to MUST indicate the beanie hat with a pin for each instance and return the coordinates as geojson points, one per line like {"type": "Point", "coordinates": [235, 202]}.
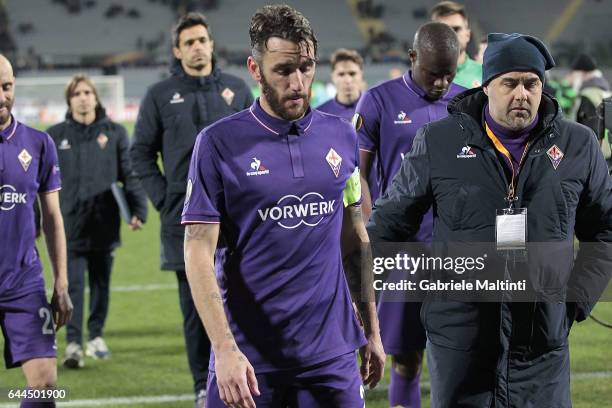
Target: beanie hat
{"type": "Point", "coordinates": [514, 52]}
{"type": "Point", "coordinates": [584, 63]}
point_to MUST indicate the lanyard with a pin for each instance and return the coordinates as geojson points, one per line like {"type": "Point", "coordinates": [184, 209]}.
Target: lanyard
{"type": "Point", "coordinates": [502, 149]}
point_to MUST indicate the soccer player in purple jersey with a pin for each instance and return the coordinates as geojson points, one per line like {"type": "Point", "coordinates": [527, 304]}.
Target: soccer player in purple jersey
{"type": "Point", "coordinates": [28, 167]}
{"type": "Point", "coordinates": [272, 211]}
{"type": "Point", "coordinates": [387, 119]}
{"type": "Point", "coordinates": [347, 77]}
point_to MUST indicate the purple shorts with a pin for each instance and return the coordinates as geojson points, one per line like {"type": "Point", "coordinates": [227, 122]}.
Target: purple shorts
{"type": "Point", "coordinates": [333, 383]}
{"type": "Point", "coordinates": [28, 329]}
{"type": "Point", "coordinates": [400, 327]}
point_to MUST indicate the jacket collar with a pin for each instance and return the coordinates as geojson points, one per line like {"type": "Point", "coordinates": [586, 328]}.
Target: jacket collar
{"type": "Point", "coordinates": [469, 105]}
{"type": "Point", "coordinates": [100, 118]}
{"type": "Point", "coordinates": [176, 69]}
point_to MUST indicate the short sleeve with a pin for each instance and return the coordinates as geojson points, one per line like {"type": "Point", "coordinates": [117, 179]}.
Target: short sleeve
{"type": "Point", "coordinates": [367, 122]}
{"type": "Point", "coordinates": [204, 197]}
{"type": "Point", "coordinates": [49, 170]}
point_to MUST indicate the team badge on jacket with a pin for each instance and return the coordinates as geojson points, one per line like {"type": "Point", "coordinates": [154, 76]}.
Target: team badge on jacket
{"type": "Point", "coordinates": [25, 159]}
{"type": "Point", "coordinates": [228, 96]}
{"type": "Point", "coordinates": [102, 140]}
{"type": "Point", "coordinates": [555, 155]}
{"type": "Point", "coordinates": [334, 160]}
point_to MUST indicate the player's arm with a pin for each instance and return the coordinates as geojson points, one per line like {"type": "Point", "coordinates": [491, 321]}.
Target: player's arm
{"type": "Point", "coordinates": [53, 228]}
{"type": "Point", "coordinates": [365, 159]}
{"type": "Point", "coordinates": [235, 375]}
{"type": "Point", "coordinates": [354, 254]}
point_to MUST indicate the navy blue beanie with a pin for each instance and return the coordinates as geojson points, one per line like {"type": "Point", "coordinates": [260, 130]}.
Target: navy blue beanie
{"type": "Point", "coordinates": [514, 52]}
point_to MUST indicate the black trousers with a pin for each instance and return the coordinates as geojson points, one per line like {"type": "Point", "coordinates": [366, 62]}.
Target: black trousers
{"type": "Point", "coordinates": [196, 339]}
{"type": "Point", "coordinates": [98, 264]}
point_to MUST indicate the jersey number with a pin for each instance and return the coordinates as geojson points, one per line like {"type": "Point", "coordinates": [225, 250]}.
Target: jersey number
{"type": "Point", "coordinates": [47, 327]}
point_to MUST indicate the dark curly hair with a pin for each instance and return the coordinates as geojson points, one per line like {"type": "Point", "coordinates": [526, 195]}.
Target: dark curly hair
{"type": "Point", "coordinates": [280, 21]}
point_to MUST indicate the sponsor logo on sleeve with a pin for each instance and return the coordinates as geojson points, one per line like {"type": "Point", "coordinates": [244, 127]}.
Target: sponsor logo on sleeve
{"type": "Point", "coordinates": [357, 121]}
{"type": "Point", "coordinates": [291, 211]}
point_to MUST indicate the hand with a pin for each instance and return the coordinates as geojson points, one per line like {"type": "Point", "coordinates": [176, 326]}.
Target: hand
{"type": "Point", "coordinates": [235, 378]}
{"type": "Point", "coordinates": [61, 305]}
{"type": "Point", "coordinates": [135, 223]}
{"type": "Point", "coordinates": [372, 361]}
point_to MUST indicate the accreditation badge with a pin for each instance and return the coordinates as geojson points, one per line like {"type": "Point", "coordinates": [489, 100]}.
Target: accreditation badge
{"type": "Point", "coordinates": [511, 229]}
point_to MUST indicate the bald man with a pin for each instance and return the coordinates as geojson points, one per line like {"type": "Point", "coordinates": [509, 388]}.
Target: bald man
{"type": "Point", "coordinates": [28, 167]}
{"type": "Point", "coordinates": [387, 119]}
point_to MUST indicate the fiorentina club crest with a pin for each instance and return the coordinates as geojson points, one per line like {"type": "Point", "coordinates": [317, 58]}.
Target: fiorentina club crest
{"type": "Point", "coordinates": [334, 160]}
{"type": "Point", "coordinates": [25, 159]}
{"type": "Point", "coordinates": [228, 96]}
{"type": "Point", "coordinates": [555, 155]}
{"type": "Point", "coordinates": [102, 140]}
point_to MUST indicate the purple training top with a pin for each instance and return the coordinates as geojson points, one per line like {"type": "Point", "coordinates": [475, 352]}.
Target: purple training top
{"type": "Point", "coordinates": [28, 166]}
{"type": "Point", "coordinates": [389, 116]}
{"type": "Point", "coordinates": [276, 188]}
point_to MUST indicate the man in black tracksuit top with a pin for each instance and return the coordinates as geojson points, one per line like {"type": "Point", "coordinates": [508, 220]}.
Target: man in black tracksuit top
{"type": "Point", "coordinates": [171, 115]}
{"type": "Point", "coordinates": [93, 154]}
{"type": "Point", "coordinates": [507, 354]}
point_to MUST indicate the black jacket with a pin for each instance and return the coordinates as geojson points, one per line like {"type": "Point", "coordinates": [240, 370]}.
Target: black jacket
{"type": "Point", "coordinates": [171, 115]}
{"type": "Point", "coordinates": [465, 194]}
{"type": "Point", "coordinates": [91, 157]}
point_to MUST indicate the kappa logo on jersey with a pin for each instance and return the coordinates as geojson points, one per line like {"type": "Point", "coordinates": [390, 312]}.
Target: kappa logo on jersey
{"type": "Point", "coordinates": [555, 155]}
{"type": "Point", "coordinates": [257, 169]}
{"type": "Point", "coordinates": [228, 96]}
{"type": "Point", "coordinates": [334, 160]}
{"type": "Point", "coordinates": [176, 98]}
{"type": "Point", "coordinates": [25, 159]}
{"type": "Point", "coordinates": [466, 153]}
{"type": "Point", "coordinates": [9, 197]}
{"type": "Point", "coordinates": [292, 211]}
{"type": "Point", "coordinates": [64, 145]}
{"type": "Point", "coordinates": [102, 140]}
{"type": "Point", "coordinates": [402, 119]}
{"type": "Point", "coordinates": [476, 83]}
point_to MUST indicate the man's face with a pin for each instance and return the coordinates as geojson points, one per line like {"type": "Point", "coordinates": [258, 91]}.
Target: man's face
{"type": "Point", "coordinates": [514, 99]}
{"type": "Point", "coordinates": [460, 25]}
{"type": "Point", "coordinates": [7, 93]}
{"type": "Point", "coordinates": [285, 74]}
{"type": "Point", "coordinates": [195, 49]}
{"type": "Point", "coordinates": [347, 77]}
{"type": "Point", "coordinates": [433, 71]}
{"type": "Point", "coordinates": [83, 100]}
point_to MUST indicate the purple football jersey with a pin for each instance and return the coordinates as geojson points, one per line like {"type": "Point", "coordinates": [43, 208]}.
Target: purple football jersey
{"type": "Point", "coordinates": [333, 107]}
{"type": "Point", "coordinates": [276, 188]}
{"type": "Point", "coordinates": [28, 166]}
{"type": "Point", "coordinates": [389, 116]}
